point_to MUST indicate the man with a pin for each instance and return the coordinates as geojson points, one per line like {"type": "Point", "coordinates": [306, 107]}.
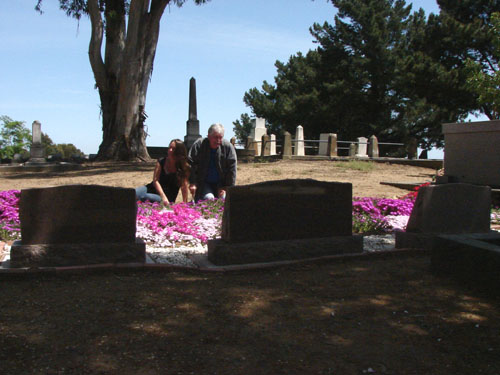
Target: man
{"type": "Point", "coordinates": [213, 165]}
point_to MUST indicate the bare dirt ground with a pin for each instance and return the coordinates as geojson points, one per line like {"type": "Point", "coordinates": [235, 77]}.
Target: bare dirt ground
{"type": "Point", "coordinates": [371, 316]}
{"type": "Point", "coordinates": [387, 315]}
{"type": "Point", "coordinates": [365, 183]}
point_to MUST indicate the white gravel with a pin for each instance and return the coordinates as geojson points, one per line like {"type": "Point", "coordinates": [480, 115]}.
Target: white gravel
{"type": "Point", "coordinates": [381, 242]}
{"type": "Point", "coordinates": [174, 255]}
{"type": "Point", "coordinates": [179, 255]}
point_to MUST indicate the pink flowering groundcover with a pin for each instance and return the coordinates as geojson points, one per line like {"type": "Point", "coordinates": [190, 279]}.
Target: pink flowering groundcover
{"type": "Point", "coordinates": [190, 224]}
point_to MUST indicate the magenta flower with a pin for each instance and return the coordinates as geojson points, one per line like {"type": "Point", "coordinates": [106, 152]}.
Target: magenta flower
{"type": "Point", "coordinates": [10, 226]}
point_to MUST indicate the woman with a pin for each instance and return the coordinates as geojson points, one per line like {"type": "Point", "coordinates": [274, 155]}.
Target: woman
{"type": "Point", "coordinates": [171, 174]}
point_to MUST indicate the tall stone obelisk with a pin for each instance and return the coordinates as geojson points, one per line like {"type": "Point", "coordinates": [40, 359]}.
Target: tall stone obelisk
{"type": "Point", "coordinates": [192, 124]}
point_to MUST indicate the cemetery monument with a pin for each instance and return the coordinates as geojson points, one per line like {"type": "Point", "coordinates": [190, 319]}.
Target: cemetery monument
{"type": "Point", "coordinates": [192, 124]}
{"type": "Point", "coordinates": [37, 152]}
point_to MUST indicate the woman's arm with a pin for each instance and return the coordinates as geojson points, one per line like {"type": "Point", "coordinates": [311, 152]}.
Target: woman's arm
{"type": "Point", "coordinates": [185, 190]}
{"type": "Point", "coordinates": [156, 184]}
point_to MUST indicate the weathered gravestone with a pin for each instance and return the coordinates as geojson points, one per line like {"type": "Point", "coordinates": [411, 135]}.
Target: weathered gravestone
{"type": "Point", "coordinates": [37, 150]}
{"type": "Point", "coordinates": [265, 146]}
{"type": "Point", "coordinates": [323, 144]}
{"type": "Point", "coordinates": [287, 219]}
{"type": "Point", "coordinates": [373, 147]}
{"type": "Point", "coordinates": [287, 145]}
{"type": "Point", "coordinates": [77, 225]}
{"type": "Point", "coordinates": [446, 209]}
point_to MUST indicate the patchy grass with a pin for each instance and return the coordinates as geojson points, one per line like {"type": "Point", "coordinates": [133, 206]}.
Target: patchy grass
{"type": "Point", "coordinates": [363, 166]}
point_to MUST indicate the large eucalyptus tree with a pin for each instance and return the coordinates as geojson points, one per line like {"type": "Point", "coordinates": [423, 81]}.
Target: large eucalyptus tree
{"type": "Point", "coordinates": [129, 30]}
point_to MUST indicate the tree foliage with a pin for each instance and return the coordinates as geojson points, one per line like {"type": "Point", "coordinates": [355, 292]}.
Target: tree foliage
{"type": "Point", "coordinates": [485, 80]}
{"type": "Point", "coordinates": [63, 150]}
{"type": "Point", "coordinates": [242, 128]}
{"type": "Point", "coordinates": [381, 69]}
{"type": "Point", "coordinates": [127, 31]}
{"type": "Point", "coordinates": [15, 138]}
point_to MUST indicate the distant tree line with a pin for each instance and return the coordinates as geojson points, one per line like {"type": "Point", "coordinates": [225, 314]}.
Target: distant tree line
{"type": "Point", "coordinates": [15, 138]}
{"type": "Point", "coordinates": [382, 70]}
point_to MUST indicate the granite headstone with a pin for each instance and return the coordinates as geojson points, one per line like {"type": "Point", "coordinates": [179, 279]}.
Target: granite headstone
{"type": "Point", "coordinates": [77, 224]}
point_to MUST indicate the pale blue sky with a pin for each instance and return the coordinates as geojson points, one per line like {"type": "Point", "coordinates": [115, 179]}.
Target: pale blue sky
{"type": "Point", "coordinates": [229, 46]}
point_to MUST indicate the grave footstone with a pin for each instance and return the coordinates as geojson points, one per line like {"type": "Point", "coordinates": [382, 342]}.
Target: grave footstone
{"type": "Point", "coordinates": [77, 225]}
{"type": "Point", "coordinates": [287, 219]}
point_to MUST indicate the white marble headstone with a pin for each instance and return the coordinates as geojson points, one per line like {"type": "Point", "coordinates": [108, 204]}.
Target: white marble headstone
{"type": "Point", "coordinates": [258, 130]}
{"type": "Point", "coordinates": [361, 147]}
{"type": "Point", "coordinates": [273, 144]}
{"type": "Point", "coordinates": [299, 141]}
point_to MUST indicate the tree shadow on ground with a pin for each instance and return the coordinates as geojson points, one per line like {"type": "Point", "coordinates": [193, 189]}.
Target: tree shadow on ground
{"type": "Point", "coordinates": [388, 315]}
{"type": "Point", "coordinates": [87, 170]}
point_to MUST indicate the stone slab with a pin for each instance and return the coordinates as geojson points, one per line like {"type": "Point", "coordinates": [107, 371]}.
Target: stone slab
{"type": "Point", "coordinates": [451, 208]}
{"type": "Point", "coordinates": [409, 240]}
{"type": "Point", "coordinates": [287, 209]}
{"type": "Point", "coordinates": [71, 254]}
{"type": "Point", "coordinates": [221, 252]}
{"type": "Point", "coordinates": [77, 214]}
{"type": "Point", "coordinates": [474, 257]}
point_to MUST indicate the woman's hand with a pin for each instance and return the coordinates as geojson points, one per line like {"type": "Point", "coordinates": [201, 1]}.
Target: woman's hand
{"type": "Point", "coordinates": [222, 193]}
{"type": "Point", "coordinates": [192, 189]}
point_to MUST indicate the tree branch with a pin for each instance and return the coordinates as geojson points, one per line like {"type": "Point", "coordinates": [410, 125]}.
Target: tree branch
{"type": "Point", "coordinates": [95, 44]}
{"type": "Point", "coordinates": [115, 36]}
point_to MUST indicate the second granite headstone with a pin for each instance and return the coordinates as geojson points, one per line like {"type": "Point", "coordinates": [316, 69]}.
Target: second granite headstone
{"type": "Point", "coordinates": [287, 219]}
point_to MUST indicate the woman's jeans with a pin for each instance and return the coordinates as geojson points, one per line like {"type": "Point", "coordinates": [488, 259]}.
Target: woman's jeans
{"type": "Point", "coordinates": [141, 193]}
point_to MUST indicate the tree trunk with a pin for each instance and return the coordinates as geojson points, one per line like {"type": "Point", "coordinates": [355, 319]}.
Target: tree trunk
{"type": "Point", "coordinates": [122, 79]}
